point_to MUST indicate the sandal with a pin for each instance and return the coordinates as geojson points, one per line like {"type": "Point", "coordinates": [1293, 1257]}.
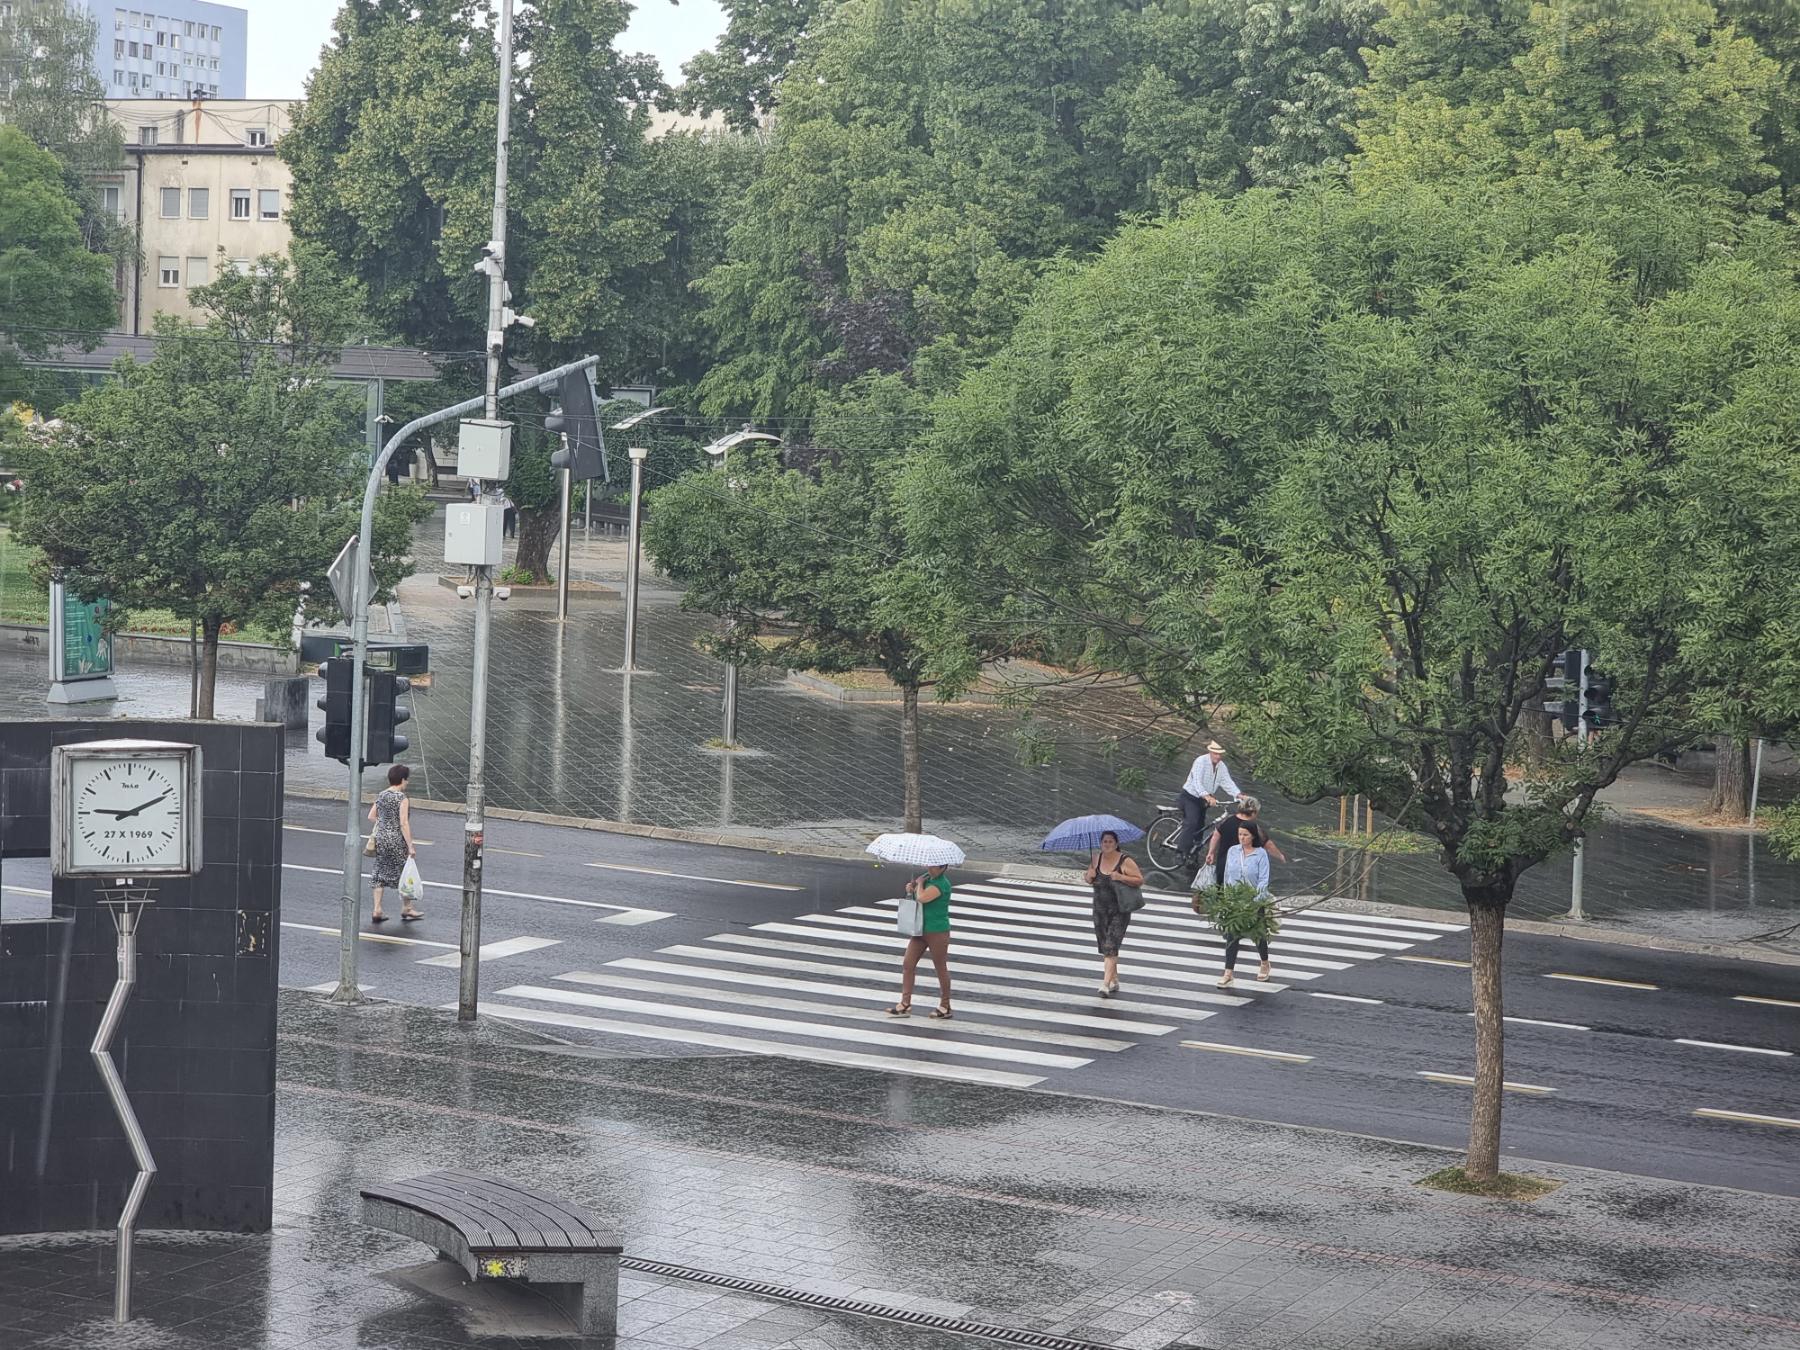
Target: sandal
{"type": "Point", "coordinates": [942, 1012]}
{"type": "Point", "coordinates": [378, 918]}
{"type": "Point", "coordinates": [900, 1010]}
{"type": "Point", "coordinates": [1226, 980]}
{"type": "Point", "coordinates": [1263, 973]}
{"type": "Point", "coordinates": [406, 917]}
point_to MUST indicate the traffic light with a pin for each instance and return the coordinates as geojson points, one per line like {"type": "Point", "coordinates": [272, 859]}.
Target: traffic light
{"type": "Point", "coordinates": [386, 713]}
{"type": "Point", "coordinates": [1567, 675]}
{"type": "Point", "coordinates": [585, 453]}
{"type": "Point", "coordinates": [336, 706]}
{"type": "Point", "coordinates": [1597, 698]}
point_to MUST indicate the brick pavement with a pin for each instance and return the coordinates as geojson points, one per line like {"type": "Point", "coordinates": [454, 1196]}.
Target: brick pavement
{"type": "Point", "coordinates": [1118, 1225]}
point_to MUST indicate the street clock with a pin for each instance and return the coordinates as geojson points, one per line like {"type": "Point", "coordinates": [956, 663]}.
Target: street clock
{"type": "Point", "coordinates": [125, 808]}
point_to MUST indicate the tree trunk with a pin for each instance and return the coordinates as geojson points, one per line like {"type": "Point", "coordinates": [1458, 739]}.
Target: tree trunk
{"type": "Point", "coordinates": [1487, 921]}
{"type": "Point", "coordinates": [209, 669]}
{"type": "Point", "coordinates": [1731, 779]}
{"type": "Point", "coordinates": [1540, 738]}
{"type": "Point", "coordinates": [537, 533]}
{"type": "Point", "coordinates": [909, 756]}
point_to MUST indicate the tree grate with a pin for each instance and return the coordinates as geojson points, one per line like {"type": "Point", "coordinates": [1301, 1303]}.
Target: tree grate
{"type": "Point", "coordinates": [956, 1326]}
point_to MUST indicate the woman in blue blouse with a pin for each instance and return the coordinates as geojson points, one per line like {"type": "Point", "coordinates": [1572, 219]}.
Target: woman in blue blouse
{"type": "Point", "coordinates": [1248, 863]}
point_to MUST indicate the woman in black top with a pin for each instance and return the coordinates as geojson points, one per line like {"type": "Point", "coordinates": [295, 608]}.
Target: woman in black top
{"type": "Point", "coordinates": [1223, 835]}
{"type": "Point", "coordinates": [1110, 870]}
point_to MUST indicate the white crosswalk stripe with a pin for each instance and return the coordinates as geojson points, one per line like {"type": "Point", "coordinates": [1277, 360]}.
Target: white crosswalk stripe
{"type": "Point", "coordinates": [1025, 973]}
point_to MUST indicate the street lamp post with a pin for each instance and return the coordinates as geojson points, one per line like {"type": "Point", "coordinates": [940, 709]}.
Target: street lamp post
{"type": "Point", "coordinates": [638, 454]}
{"type": "Point", "coordinates": [720, 450]}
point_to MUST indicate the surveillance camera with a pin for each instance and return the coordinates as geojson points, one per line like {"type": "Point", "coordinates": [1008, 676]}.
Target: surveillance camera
{"type": "Point", "coordinates": [503, 592]}
{"type": "Point", "coordinates": [465, 592]}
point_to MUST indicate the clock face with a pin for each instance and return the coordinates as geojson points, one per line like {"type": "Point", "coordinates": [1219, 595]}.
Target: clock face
{"type": "Point", "coordinates": [127, 811]}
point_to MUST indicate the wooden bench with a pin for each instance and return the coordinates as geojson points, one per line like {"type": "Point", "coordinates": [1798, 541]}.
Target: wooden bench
{"type": "Point", "coordinates": [498, 1230]}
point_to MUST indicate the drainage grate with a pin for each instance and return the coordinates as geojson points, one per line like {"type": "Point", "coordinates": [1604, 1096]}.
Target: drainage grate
{"type": "Point", "coordinates": [956, 1326]}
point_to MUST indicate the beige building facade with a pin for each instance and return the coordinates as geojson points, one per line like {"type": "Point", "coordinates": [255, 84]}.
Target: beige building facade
{"type": "Point", "coordinates": [204, 190]}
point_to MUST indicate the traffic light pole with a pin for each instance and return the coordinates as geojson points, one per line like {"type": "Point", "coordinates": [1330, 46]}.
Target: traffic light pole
{"type": "Point", "coordinates": [638, 455]}
{"type": "Point", "coordinates": [562, 561]}
{"type": "Point", "coordinates": [350, 915]}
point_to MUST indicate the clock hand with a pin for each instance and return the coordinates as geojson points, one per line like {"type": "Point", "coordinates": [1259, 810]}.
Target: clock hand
{"type": "Point", "coordinates": [136, 809]}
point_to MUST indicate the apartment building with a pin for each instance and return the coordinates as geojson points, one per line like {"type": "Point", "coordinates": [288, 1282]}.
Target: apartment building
{"type": "Point", "coordinates": [176, 49]}
{"type": "Point", "coordinates": [205, 190]}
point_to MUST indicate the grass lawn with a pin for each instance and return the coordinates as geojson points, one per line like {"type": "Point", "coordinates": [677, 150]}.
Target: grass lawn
{"type": "Point", "coordinates": [23, 601]}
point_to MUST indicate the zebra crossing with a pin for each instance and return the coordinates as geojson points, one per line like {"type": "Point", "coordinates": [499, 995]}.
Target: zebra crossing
{"type": "Point", "coordinates": [816, 986]}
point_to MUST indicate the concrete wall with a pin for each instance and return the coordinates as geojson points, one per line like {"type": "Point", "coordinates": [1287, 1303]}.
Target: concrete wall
{"type": "Point", "coordinates": [255, 658]}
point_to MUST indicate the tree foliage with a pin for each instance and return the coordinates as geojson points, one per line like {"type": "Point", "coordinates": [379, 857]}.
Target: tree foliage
{"type": "Point", "coordinates": [217, 477]}
{"type": "Point", "coordinates": [739, 76]}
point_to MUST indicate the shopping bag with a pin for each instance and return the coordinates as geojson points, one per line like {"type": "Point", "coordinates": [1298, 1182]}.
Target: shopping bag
{"type": "Point", "coordinates": [369, 847]}
{"type": "Point", "coordinates": [910, 917]}
{"type": "Point", "coordinates": [411, 886]}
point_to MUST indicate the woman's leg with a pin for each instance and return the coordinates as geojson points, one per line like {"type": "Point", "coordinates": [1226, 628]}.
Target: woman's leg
{"type": "Point", "coordinates": [1110, 971]}
{"type": "Point", "coordinates": [939, 943]}
{"type": "Point", "coordinates": [1231, 951]}
{"type": "Point", "coordinates": [909, 967]}
{"type": "Point", "coordinates": [1262, 952]}
{"type": "Point", "coordinates": [376, 912]}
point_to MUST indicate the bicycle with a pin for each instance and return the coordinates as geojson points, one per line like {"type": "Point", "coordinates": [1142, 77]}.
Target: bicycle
{"type": "Point", "coordinates": [1165, 829]}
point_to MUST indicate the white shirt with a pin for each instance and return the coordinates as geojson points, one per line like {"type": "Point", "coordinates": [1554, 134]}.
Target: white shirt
{"type": "Point", "coordinates": [1207, 779]}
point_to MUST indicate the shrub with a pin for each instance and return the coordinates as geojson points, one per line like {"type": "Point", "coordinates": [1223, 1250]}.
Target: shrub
{"type": "Point", "coordinates": [1239, 911]}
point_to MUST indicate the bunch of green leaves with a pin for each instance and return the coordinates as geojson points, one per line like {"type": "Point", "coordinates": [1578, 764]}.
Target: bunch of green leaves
{"type": "Point", "coordinates": [1784, 830]}
{"type": "Point", "coordinates": [1239, 910]}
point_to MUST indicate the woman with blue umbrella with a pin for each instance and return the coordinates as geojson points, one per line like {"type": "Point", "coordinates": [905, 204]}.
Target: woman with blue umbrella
{"type": "Point", "coordinates": [1116, 879]}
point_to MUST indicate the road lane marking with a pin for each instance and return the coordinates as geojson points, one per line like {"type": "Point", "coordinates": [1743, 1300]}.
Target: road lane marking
{"type": "Point", "coordinates": [966, 1073]}
{"type": "Point", "coordinates": [1433, 961]}
{"type": "Point", "coordinates": [631, 918]}
{"type": "Point", "coordinates": [1595, 979]}
{"type": "Point", "coordinates": [392, 941]}
{"type": "Point", "coordinates": [1463, 1080]}
{"type": "Point", "coordinates": [1749, 1117]}
{"type": "Point", "coordinates": [331, 987]}
{"type": "Point", "coordinates": [339, 834]}
{"type": "Point", "coordinates": [689, 876]}
{"type": "Point", "coordinates": [814, 1008]}
{"type": "Point", "coordinates": [1722, 1045]}
{"type": "Point", "coordinates": [1083, 892]}
{"type": "Point", "coordinates": [816, 1030]}
{"type": "Point", "coordinates": [1539, 1022]}
{"type": "Point", "coordinates": [493, 951]}
{"type": "Point", "coordinates": [1772, 1002]}
{"type": "Point", "coordinates": [1343, 998]}
{"type": "Point", "coordinates": [514, 852]}
{"type": "Point", "coordinates": [491, 890]}
{"type": "Point", "coordinates": [1280, 1056]}
{"type": "Point", "coordinates": [760, 979]}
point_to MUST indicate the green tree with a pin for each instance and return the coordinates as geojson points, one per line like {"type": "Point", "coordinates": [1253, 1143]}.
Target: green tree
{"type": "Point", "coordinates": [1493, 87]}
{"type": "Point", "coordinates": [812, 565]}
{"type": "Point", "coordinates": [740, 75]}
{"type": "Point", "coordinates": [217, 477]}
{"type": "Point", "coordinates": [1775, 25]}
{"type": "Point", "coordinates": [49, 282]}
{"type": "Point", "coordinates": [1358, 467]}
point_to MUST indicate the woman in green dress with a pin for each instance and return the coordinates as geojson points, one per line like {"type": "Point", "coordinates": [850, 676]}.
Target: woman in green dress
{"type": "Point", "coordinates": [933, 893]}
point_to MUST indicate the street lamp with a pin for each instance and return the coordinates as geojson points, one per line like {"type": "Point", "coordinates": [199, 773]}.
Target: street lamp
{"type": "Point", "coordinates": [637, 454]}
{"type": "Point", "coordinates": [720, 450]}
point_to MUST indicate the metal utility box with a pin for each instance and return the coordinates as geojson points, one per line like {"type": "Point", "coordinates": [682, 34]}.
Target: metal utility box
{"type": "Point", "coordinates": [472, 533]}
{"type": "Point", "coordinates": [484, 449]}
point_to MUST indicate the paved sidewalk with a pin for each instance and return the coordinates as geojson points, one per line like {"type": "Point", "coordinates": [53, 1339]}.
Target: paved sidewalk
{"type": "Point", "coordinates": [1109, 1224]}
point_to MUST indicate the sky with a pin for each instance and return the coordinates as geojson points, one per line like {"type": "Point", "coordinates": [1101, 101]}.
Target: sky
{"type": "Point", "coordinates": [286, 35]}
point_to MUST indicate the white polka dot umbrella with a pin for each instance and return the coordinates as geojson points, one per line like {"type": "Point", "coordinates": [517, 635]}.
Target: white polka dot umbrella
{"type": "Point", "coordinates": [916, 850]}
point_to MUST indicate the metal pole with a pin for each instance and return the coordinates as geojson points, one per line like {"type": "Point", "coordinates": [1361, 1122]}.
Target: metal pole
{"type": "Point", "coordinates": [474, 823]}
{"type": "Point", "coordinates": [125, 919]}
{"type": "Point", "coordinates": [638, 455]}
{"type": "Point", "coordinates": [1755, 782]}
{"type": "Point", "coordinates": [562, 566]}
{"type": "Point", "coordinates": [350, 913]}
{"type": "Point", "coordinates": [587, 506]}
{"type": "Point", "coordinates": [1575, 914]}
{"type": "Point", "coordinates": [731, 674]}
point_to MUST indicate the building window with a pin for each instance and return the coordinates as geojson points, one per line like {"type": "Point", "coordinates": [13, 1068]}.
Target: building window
{"type": "Point", "coordinates": [118, 76]}
{"type": "Point", "coordinates": [268, 204]}
{"type": "Point", "coordinates": [199, 206]}
{"type": "Point", "coordinates": [162, 39]}
{"type": "Point", "coordinates": [109, 201]}
{"type": "Point", "coordinates": [256, 136]}
{"type": "Point", "coordinates": [241, 266]}
{"type": "Point", "coordinates": [146, 135]}
{"type": "Point", "coordinates": [199, 273]}
{"type": "Point", "coordinates": [132, 48]}
{"type": "Point", "coordinates": [240, 203]}
{"type": "Point", "coordinates": [118, 48]}
{"type": "Point", "coordinates": [168, 271]}
{"type": "Point", "coordinates": [215, 32]}
{"type": "Point", "coordinates": [171, 203]}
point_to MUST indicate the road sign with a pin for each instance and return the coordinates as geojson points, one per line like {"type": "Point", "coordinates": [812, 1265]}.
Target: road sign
{"type": "Point", "coordinates": [342, 570]}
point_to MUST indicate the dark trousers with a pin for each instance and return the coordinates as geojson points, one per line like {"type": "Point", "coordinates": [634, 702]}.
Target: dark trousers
{"type": "Point", "coordinates": [509, 522]}
{"type": "Point", "coordinates": [1231, 951]}
{"type": "Point", "coordinates": [1193, 816]}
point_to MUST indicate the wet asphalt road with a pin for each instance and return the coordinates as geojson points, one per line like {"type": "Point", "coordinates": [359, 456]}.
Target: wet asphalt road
{"type": "Point", "coordinates": [1602, 1056]}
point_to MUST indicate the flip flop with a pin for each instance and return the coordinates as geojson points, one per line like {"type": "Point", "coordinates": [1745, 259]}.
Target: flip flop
{"type": "Point", "coordinates": [379, 918]}
{"type": "Point", "coordinates": [410, 918]}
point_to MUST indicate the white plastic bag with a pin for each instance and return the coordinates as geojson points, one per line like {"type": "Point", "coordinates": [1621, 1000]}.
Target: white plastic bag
{"type": "Point", "coordinates": [910, 917]}
{"type": "Point", "coordinates": [411, 886]}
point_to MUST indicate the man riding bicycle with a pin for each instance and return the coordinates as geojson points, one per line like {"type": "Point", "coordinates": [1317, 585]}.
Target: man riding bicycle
{"type": "Point", "coordinates": [1207, 782]}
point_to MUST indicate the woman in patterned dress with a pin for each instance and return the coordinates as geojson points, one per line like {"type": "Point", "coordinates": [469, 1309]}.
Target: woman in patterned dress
{"type": "Point", "coordinates": [1109, 870]}
{"type": "Point", "coordinates": [392, 815]}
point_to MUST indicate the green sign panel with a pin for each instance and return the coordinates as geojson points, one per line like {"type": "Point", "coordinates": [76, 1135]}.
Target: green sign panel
{"type": "Point", "coordinates": [87, 649]}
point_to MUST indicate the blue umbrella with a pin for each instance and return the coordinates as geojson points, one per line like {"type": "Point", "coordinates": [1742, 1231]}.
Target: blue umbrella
{"type": "Point", "coordinates": [1083, 833]}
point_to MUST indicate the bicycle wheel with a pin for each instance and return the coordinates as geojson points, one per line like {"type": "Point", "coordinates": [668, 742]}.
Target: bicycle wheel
{"type": "Point", "coordinates": [1159, 843]}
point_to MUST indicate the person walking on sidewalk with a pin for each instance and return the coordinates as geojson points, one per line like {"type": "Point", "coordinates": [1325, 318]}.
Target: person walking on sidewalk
{"type": "Point", "coordinates": [1247, 862]}
{"type": "Point", "coordinates": [932, 890]}
{"type": "Point", "coordinates": [393, 839]}
{"type": "Point", "coordinates": [1222, 836]}
{"type": "Point", "coordinates": [1207, 781]}
{"type": "Point", "coordinates": [1110, 870]}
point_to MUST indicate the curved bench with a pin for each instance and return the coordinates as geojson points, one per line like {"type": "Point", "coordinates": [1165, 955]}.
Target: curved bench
{"type": "Point", "coordinates": [498, 1230]}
